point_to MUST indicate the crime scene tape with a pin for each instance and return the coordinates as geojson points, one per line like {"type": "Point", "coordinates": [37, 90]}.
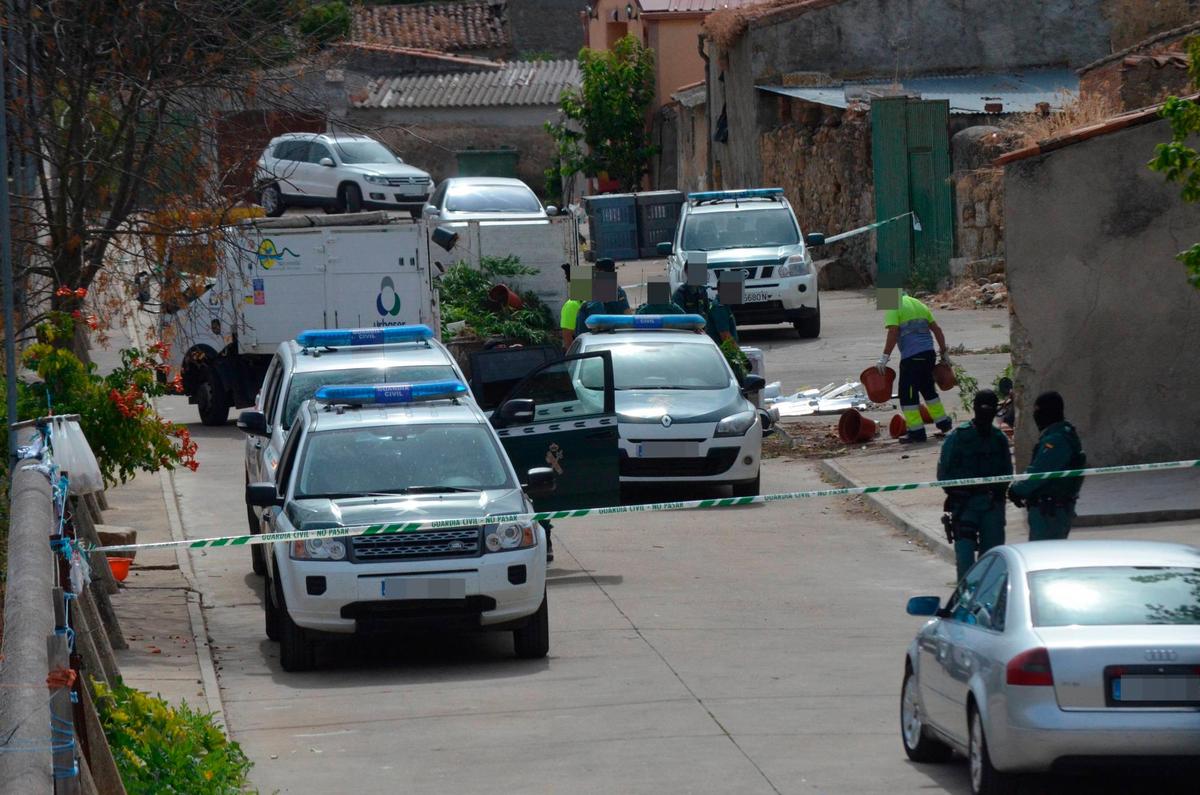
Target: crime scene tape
{"type": "Point", "coordinates": [656, 507]}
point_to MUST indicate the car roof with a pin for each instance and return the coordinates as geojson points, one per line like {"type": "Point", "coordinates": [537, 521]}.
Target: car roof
{"type": "Point", "coordinates": [398, 354]}
{"type": "Point", "coordinates": [1043, 555]}
{"type": "Point", "coordinates": [434, 412]}
{"type": "Point", "coordinates": [325, 136]}
{"type": "Point", "coordinates": [504, 181]}
{"type": "Point", "coordinates": [745, 205]}
{"type": "Point", "coordinates": [682, 336]}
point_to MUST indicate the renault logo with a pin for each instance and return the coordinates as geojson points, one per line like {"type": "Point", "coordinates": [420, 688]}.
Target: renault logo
{"type": "Point", "coordinates": [666, 420]}
{"type": "Point", "coordinates": [1162, 655]}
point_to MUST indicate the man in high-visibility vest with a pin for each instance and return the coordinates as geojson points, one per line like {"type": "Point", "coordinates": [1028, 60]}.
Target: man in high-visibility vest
{"type": "Point", "coordinates": [912, 325]}
{"type": "Point", "coordinates": [1051, 503]}
{"type": "Point", "coordinates": [569, 313]}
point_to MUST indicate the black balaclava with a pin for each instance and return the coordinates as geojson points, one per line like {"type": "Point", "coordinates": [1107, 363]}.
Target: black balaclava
{"type": "Point", "coordinates": [1047, 410]}
{"type": "Point", "coordinates": [986, 405]}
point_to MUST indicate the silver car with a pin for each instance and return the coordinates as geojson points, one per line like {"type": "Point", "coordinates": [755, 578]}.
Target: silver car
{"type": "Point", "coordinates": [485, 199]}
{"type": "Point", "coordinates": [1056, 654]}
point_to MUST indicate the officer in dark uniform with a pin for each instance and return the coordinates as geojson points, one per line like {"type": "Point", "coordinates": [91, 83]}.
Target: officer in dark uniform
{"type": "Point", "coordinates": [974, 517]}
{"type": "Point", "coordinates": [1051, 503]}
{"type": "Point", "coordinates": [695, 300]}
{"type": "Point", "coordinates": [619, 306]}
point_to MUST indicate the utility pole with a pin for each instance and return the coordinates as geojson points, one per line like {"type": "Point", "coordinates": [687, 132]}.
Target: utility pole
{"type": "Point", "coordinates": [6, 266]}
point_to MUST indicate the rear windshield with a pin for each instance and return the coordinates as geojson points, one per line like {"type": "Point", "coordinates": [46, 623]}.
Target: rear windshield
{"type": "Point", "coordinates": [305, 385]}
{"type": "Point", "coordinates": [749, 229]}
{"type": "Point", "coordinates": [1115, 596]}
{"type": "Point", "coordinates": [492, 199]}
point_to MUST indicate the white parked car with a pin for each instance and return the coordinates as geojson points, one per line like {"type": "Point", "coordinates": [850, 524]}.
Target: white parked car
{"type": "Point", "coordinates": [339, 173]}
{"type": "Point", "coordinates": [484, 199]}
{"type": "Point", "coordinates": [1057, 655]}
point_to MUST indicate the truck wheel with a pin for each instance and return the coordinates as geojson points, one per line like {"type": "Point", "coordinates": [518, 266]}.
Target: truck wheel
{"type": "Point", "coordinates": [271, 609]}
{"type": "Point", "coordinates": [258, 560]}
{"type": "Point", "coordinates": [349, 199]}
{"type": "Point", "coordinates": [296, 652]}
{"type": "Point", "coordinates": [532, 641]}
{"type": "Point", "coordinates": [211, 399]}
{"type": "Point", "coordinates": [748, 488]}
{"type": "Point", "coordinates": [272, 201]}
{"type": "Point", "coordinates": [809, 327]}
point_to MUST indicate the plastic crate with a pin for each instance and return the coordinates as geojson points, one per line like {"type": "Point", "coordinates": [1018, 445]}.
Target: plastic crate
{"type": "Point", "coordinates": [612, 225]}
{"type": "Point", "coordinates": [487, 162]}
{"type": "Point", "coordinates": [657, 216]}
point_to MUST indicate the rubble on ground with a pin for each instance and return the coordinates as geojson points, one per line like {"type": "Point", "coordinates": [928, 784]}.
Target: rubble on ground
{"type": "Point", "coordinates": [991, 290]}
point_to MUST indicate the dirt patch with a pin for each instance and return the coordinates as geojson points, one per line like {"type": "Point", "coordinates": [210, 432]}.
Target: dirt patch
{"type": "Point", "coordinates": [982, 293]}
{"type": "Point", "coordinates": [804, 442]}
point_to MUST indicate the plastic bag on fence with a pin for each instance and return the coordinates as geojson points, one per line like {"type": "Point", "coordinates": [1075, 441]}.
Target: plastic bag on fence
{"type": "Point", "coordinates": [73, 455]}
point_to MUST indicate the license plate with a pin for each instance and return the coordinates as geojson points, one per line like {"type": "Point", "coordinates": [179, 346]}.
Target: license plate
{"type": "Point", "coordinates": [423, 588]}
{"type": "Point", "coordinates": [668, 450]}
{"type": "Point", "coordinates": [1158, 688]}
{"type": "Point", "coordinates": [755, 296]}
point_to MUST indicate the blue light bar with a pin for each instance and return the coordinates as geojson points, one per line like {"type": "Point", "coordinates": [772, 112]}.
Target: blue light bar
{"type": "Point", "coordinates": [718, 195]}
{"type": "Point", "coordinates": [635, 322]}
{"type": "Point", "coordinates": [350, 337]}
{"type": "Point", "coordinates": [390, 394]}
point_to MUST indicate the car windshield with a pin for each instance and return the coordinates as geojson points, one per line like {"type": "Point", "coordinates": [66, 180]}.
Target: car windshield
{"type": "Point", "coordinates": [305, 385]}
{"type": "Point", "coordinates": [491, 199]}
{"type": "Point", "coordinates": [1115, 596]}
{"type": "Point", "coordinates": [395, 459]}
{"type": "Point", "coordinates": [749, 229]}
{"type": "Point", "coordinates": [650, 365]}
{"type": "Point", "coordinates": [358, 152]}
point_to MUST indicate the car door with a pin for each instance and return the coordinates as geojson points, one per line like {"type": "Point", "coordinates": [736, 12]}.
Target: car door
{"type": "Point", "coordinates": [271, 516]}
{"type": "Point", "coordinates": [267, 399]}
{"type": "Point", "coordinates": [320, 181]}
{"type": "Point", "coordinates": [288, 158]}
{"type": "Point", "coordinates": [976, 642]}
{"type": "Point", "coordinates": [573, 431]}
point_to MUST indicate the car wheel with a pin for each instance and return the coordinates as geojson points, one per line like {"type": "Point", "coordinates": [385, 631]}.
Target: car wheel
{"type": "Point", "coordinates": [296, 651]}
{"type": "Point", "coordinates": [349, 199]}
{"type": "Point", "coordinates": [272, 201]}
{"type": "Point", "coordinates": [211, 399]}
{"type": "Point", "coordinates": [985, 779]}
{"type": "Point", "coordinates": [532, 641]}
{"type": "Point", "coordinates": [748, 488]}
{"type": "Point", "coordinates": [258, 560]}
{"type": "Point", "coordinates": [809, 327]}
{"type": "Point", "coordinates": [919, 746]}
{"type": "Point", "coordinates": [271, 609]}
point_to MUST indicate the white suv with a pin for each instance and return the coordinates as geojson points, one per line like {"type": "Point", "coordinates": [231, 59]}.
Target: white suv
{"type": "Point", "coordinates": [754, 231]}
{"type": "Point", "coordinates": [340, 173]}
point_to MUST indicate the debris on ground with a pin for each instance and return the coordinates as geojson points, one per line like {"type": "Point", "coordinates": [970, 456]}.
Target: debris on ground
{"type": "Point", "coordinates": [804, 441]}
{"type": "Point", "coordinates": [991, 290]}
{"type": "Point", "coordinates": [829, 399]}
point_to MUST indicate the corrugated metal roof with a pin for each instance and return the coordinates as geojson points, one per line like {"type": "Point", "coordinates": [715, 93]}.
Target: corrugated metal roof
{"type": "Point", "coordinates": [517, 83]}
{"type": "Point", "coordinates": [1016, 92]}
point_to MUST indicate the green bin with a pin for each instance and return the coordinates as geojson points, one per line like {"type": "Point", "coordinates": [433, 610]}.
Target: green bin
{"type": "Point", "coordinates": [487, 162]}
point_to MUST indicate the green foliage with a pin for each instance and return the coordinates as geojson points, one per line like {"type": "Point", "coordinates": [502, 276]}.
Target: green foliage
{"type": "Point", "coordinates": [968, 385]}
{"type": "Point", "coordinates": [603, 124]}
{"type": "Point", "coordinates": [1179, 162]}
{"type": "Point", "coordinates": [463, 295]}
{"type": "Point", "coordinates": [322, 23]}
{"type": "Point", "coordinates": [163, 749]}
{"type": "Point", "coordinates": [738, 361]}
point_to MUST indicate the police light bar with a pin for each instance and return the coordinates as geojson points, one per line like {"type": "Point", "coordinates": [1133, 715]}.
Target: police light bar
{"type": "Point", "coordinates": [389, 394]}
{"type": "Point", "coordinates": [342, 338]}
{"type": "Point", "coordinates": [634, 322]}
{"type": "Point", "coordinates": [719, 195]}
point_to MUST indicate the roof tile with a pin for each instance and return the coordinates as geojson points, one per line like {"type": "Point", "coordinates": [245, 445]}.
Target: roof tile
{"type": "Point", "coordinates": [456, 26]}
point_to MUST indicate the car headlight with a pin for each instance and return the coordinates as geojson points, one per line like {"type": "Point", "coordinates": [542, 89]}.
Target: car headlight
{"type": "Point", "coordinates": [509, 536]}
{"type": "Point", "coordinates": [784, 270]}
{"type": "Point", "coordinates": [318, 549]}
{"type": "Point", "coordinates": [736, 424]}
{"type": "Point", "coordinates": [796, 265]}
{"type": "Point", "coordinates": [375, 179]}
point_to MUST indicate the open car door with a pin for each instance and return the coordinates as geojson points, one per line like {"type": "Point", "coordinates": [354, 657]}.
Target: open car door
{"type": "Point", "coordinates": [563, 416]}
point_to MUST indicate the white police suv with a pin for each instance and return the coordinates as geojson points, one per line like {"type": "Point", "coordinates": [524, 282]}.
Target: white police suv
{"type": "Point", "coordinates": [755, 232]}
{"type": "Point", "coordinates": [682, 415]}
{"type": "Point", "coordinates": [383, 455]}
{"type": "Point", "coordinates": [327, 357]}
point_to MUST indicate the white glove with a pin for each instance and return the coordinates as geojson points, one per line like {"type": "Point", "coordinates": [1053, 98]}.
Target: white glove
{"type": "Point", "coordinates": [881, 365]}
{"type": "Point", "coordinates": [945, 358]}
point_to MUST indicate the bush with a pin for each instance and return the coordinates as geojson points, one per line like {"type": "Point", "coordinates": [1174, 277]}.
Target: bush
{"type": "Point", "coordinates": [163, 749]}
{"type": "Point", "coordinates": [323, 23]}
{"type": "Point", "coordinates": [463, 295]}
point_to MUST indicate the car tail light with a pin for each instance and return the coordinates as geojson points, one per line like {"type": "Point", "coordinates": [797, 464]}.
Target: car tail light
{"type": "Point", "coordinates": [1030, 668]}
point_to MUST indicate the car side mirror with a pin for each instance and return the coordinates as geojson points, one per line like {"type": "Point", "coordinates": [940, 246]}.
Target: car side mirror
{"type": "Point", "coordinates": [924, 606]}
{"type": "Point", "coordinates": [540, 481]}
{"type": "Point", "coordinates": [551, 210]}
{"type": "Point", "coordinates": [814, 239]}
{"type": "Point", "coordinates": [753, 383]}
{"type": "Point", "coordinates": [430, 210]}
{"type": "Point", "coordinates": [262, 495]}
{"type": "Point", "coordinates": [664, 249]}
{"type": "Point", "coordinates": [515, 412]}
{"type": "Point", "coordinates": [327, 162]}
{"type": "Point", "coordinates": [253, 423]}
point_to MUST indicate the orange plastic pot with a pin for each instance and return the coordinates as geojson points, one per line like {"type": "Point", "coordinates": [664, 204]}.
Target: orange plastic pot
{"type": "Point", "coordinates": [854, 427]}
{"type": "Point", "coordinates": [925, 415]}
{"type": "Point", "coordinates": [503, 296]}
{"type": "Point", "coordinates": [897, 427]}
{"type": "Point", "coordinates": [119, 568]}
{"type": "Point", "coordinates": [879, 387]}
{"type": "Point", "coordinates": [943, 376]}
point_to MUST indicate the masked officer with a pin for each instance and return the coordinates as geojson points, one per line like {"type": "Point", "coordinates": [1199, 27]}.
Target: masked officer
{"type": "Point", "coordinates": [718, 320]}
{"type": "Point", "coordinates": [619, 306]}
{"type": "Point", "coordinates": [1051, 503]}
{"type": "Point", "coordinates": [974, 517]}
{"type": "Point", "coordinates": [912, 325]}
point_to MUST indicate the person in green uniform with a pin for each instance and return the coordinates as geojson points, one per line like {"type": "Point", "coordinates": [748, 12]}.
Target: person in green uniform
{"type": "Point", "coordinates": [569, 313]}
{"type": "Point", "coordinates": [619, 306]}
{"type": "Point", "coordinates": [1051, 503]}
{"type": "Point", "coordinates": [695, 300]}
{"type": "Point", "coordinates": [974, 516]}
{"type": "Point", "coordinates": [658, 301]}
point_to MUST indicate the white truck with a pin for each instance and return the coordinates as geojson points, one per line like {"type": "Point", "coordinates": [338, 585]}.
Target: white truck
{"type": "Point", "coordinates": [277, 277]}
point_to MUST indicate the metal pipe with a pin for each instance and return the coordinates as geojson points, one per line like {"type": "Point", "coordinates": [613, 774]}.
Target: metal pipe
{"type": "Point", "coordinates": [6, 269]}
{"type": "Point", "coordinates": [708, 108]}
{"type": "Point", "coordinates": [16, 426]}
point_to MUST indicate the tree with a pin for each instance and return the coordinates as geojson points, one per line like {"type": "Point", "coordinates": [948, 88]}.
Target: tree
{"type": "Point", "coordinates": [603, 127]}
{"type": "Point", "coordinates": [1178, 161]}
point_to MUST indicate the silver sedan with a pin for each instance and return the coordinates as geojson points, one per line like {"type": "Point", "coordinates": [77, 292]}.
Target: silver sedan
{"type": "Point", "coordinates": [1057, 654]}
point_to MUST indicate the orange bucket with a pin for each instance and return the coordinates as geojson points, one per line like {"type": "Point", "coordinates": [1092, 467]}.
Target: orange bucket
{"type": "Point", "coordinates": [943, 376]}
{"type": "Point", "coordinates": [879, 387]}
{"type": "Point", "coordinates": [119, 568]}
{"type": "Point", "coordinates": [898, 426]}
{"type": "Point", "coordinates": [854, 427]}
{"type": "Point", "coordinates": [503, 296]}
{"type": "Point", "coordinates": [925, 416]}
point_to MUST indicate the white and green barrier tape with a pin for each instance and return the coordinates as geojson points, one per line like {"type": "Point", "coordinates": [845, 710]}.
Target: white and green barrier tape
{"type": "Point", "coordinates": [656, 507]}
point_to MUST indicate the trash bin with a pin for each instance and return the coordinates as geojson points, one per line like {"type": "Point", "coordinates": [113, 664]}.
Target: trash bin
{"type": "Point", "coordinates": [657, 216]}
{"type": "Point", "coordinates": [612, 225]}
{"type": "Point", "coordinates": [487, 162]}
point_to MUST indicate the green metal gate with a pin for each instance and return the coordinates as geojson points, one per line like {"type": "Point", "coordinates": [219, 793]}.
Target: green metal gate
{"type": "Point", "coordinates": [910, 152]}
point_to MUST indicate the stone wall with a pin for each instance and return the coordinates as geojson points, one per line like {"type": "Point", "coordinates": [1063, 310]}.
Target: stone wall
{"type": "Point", "coordinates": [1102, 311]}
{"type": "Point", "coordinates": [978, 199]}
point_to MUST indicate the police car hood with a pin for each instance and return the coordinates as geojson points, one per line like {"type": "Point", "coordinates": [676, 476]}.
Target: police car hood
{"type": "Point", "coordinates": [354, 511]}
{"type": "Point", "coordinates": [684, 405]}
{"type": "Point", "coordinates": [728, 256]}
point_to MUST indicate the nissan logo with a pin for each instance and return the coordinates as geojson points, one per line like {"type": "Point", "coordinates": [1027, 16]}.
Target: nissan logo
{"type": "Point", "coordinates": [1162, 655]}
{"type": "Point", "coordinates": [666, 420]}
